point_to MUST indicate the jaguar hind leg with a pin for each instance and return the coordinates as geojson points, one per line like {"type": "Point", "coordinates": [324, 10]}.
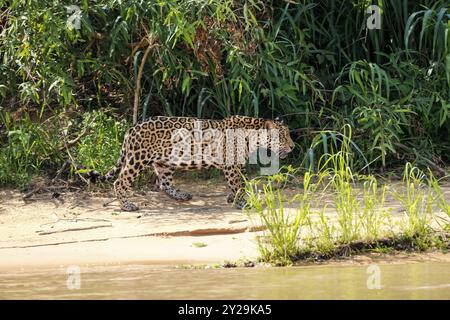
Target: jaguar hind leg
{"type": "Point", "coordinates": [128, 173]}
{"type": "Point", "coordinates": [165, 177]}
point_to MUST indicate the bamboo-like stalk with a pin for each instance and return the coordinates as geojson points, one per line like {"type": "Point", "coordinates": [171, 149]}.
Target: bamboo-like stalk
{"type": "Point", "coordinates": [137, 92]}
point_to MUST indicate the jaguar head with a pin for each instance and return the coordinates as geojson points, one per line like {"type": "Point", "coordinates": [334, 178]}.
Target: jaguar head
{"type": "Point", "coordinates": [284, 143]}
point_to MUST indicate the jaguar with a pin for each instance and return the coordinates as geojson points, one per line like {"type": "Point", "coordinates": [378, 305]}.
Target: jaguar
{"type": "Point", "coordinates": [171, 143]}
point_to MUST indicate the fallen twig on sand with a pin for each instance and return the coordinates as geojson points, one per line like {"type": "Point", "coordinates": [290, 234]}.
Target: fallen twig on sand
{"type": "Point", "coordinates": [43, 233]}
{"type": "Point", "coordinates": [78, 228]}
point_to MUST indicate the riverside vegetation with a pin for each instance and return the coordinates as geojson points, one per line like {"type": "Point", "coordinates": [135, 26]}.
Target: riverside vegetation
{"type": "Point", "coordinates": [299, 227]}
{"type": "Point", "coordinates": [75, 75]}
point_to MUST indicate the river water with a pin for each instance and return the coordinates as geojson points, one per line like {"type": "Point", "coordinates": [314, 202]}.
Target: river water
{"type": "Point", "coordinates": [426, 280]}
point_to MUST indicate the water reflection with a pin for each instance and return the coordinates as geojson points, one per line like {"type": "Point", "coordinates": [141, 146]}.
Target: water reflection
{"type": "Point", "coordinates": [430, 280]}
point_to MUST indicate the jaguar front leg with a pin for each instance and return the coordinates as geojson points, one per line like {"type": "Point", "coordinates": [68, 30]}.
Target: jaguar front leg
{"type": "Point", "coordinates": [233, 175]}
{"type": "Point", "coordinates": [165, 177]}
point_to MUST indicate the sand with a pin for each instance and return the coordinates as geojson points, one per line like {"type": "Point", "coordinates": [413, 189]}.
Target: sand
{"type": "Point", "coordinates": [76, 228]}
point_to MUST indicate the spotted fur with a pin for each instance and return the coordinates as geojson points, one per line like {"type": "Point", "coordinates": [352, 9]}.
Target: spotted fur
{"type": "Point", "coordinates": [151, 144]}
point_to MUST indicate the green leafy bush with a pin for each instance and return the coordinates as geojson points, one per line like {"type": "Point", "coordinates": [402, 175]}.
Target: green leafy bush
{"type": "Point", "coordinates": [100, 149]}
{"type": "Point", "coordinates": [26, 148]}
{"type": "Point", "coordinates": [314, 62]}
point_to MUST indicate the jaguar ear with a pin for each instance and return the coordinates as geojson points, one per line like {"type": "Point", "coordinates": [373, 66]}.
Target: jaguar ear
{"type": "Point", "coordinates": [280, 120]}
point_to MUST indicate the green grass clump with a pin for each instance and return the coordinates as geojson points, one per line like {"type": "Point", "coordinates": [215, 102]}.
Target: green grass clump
{"type": "Point", "coordinates": [26, 148]}
{"type": "Point", "coordinates": [284, 232]}
{"type": "Point", "coordinates": [440, 200]}
{"type": "Point", "coordinates": [339, 213]}
{"type": "Point", "coordinates": [417, 202]}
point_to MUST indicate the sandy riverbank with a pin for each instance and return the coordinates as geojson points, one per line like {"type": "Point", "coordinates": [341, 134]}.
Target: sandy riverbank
{"type": "Point", "coordinates": [75, 228]}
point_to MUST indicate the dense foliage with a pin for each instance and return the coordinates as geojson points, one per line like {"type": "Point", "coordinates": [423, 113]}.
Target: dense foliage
{"type": "Point", "coordinates": [314, 62]}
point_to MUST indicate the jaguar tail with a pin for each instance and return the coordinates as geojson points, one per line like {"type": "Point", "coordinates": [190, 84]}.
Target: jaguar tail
{"type": "Point", "coordinates": [95, 176]}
